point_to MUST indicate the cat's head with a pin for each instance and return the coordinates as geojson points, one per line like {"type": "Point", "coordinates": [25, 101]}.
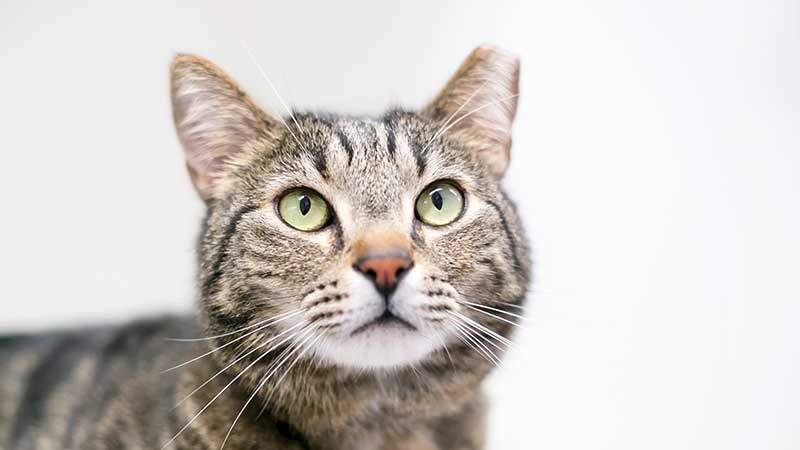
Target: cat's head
{"type": "Point", "coordinates": [361, 242]}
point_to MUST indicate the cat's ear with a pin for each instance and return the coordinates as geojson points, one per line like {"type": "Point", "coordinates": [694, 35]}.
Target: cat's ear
{"type": "Point", "coordinates": [479, 102]}
{"type": "Point", "coordinates": [215, 120]}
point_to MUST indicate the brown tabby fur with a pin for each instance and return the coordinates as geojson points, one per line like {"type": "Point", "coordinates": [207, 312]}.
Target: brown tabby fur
{"type": "Point", "coordinates": [253, 267]}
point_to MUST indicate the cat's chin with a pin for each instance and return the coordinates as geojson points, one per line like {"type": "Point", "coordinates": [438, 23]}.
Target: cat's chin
{"type": "Point", "coordinates": [378, 346]}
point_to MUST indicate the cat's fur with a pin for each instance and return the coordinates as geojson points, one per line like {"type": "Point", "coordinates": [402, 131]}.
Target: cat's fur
{"type": "Point", "coordinates": [386, 389]}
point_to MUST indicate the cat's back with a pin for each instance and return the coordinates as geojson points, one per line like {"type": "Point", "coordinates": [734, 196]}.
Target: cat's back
{"type": "Point", "coordinates": [58, 389]}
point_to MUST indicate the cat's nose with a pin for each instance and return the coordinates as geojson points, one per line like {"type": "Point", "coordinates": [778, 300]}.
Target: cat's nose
{"type": "Point", "coordinates": [385, 268]}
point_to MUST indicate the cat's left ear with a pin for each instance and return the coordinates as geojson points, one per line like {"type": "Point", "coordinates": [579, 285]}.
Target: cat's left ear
{"type": "Point", "coordinates": [215, 120]}
{"type": "Point", "coordinates": [479, 103]}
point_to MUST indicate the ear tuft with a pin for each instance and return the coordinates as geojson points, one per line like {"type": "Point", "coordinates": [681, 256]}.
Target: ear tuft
{"type": "Point", "coordinates": [479, 102]}
{"type": "Point", "coordinates": [213, 117]}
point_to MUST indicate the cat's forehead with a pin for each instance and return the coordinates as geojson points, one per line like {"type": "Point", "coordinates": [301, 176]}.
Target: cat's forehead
{"type": "Point", "coordinates": [373, 163]}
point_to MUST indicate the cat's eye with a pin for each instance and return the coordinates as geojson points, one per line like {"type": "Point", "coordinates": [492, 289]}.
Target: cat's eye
{"type": "Point", "coordinates": [440, 203]}
{"type": "Point", "coordinates": [304, 209]}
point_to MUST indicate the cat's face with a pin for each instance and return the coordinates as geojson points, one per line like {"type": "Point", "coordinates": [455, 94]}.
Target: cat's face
{"type": "Point", "coordinates": [359, 242]}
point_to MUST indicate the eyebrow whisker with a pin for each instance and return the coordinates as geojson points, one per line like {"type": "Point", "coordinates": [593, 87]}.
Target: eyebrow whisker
{"type": "Point", "coordinates": [275, 91]}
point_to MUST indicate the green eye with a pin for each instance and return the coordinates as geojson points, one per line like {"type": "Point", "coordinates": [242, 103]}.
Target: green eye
{"type": "Point", "coordinates": [440, 203]}
{"type": "Point", "coordinates": [304, 209]}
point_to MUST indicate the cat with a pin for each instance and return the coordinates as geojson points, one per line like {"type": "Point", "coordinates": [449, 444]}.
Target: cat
{"type": "Point", "coordinates": [358, 279]}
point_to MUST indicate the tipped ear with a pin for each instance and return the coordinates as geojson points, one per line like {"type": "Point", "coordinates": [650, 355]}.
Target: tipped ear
{"type": "Point", "coordinates": [215, 120]}
{"type": "Point", "coordinates": [479, 103]}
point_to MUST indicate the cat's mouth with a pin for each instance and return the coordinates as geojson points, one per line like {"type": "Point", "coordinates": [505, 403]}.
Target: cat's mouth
{"type": "Point", "coordinates": [387, 319]}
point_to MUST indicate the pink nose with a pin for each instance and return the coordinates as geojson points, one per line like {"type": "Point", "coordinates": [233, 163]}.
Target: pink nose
{"type": "Point", "coordinates": [385, 268]}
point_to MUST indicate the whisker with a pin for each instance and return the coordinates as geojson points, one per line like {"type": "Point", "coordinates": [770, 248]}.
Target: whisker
{"type": "Point", "coordinates": [230, 332]}
{"type": "Point", "coordinates": [446, 350]}
{"type": "Point", "coordinates": [239, 375]}
{"type": "Point", "coordinates": [512, 305]}
{"type": "Point", "coordinates": [483, 335]}
{"type": "Point", "coordinates": [275, 91]}
{"type": "Point", "coordinates": [495, 316]}
{"type": "Point", "coordinates": [471, 336]}
{"type": "Point", "coordinates": [274, 388]}
{"type": "Point", "coordinates": [460, 338]}
{"type": "Point", "coordinates": [492, 333]}
{"type": "Point", "coordinates": [462, 335]}
{"type": "Point", "coordinates": [266, 378]}
{"type": "Point", "coordinates": [239, 359]}
{"type": "Point", "coordinates": [416, 372]}
{"type": "Point", "coordinates": [480, 343]}
{"type": "Point", "coordinates": [446, 122]}
{"type": "Point", "coordinates": [231, 342]}
{"type": "Point", "coordinates": [478, 305]}
{"type": "Point", "coordinates": [476, 110]}
{"type": "Point", "coordinates": [441, 341]}
{"type": "Point", "coordinates": [249, 345]}
{"type": "Point", "coordinates": [305, 376]}
{"type": "Point", "coordinates": [277, 360]}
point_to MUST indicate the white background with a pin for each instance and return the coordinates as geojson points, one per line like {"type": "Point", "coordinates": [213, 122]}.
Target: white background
{"type": "Point", "coordinates": [655, 162]}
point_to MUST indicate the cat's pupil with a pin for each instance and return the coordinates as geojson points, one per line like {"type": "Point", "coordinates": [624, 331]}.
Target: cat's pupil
{"type": "Point", "coordinates": [305, 205]}
{"type": "Point", "coordinates": [436, 198]}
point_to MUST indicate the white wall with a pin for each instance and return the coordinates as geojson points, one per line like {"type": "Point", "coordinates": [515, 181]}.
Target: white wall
{"type": "Point", "coordinates": [656, 159]}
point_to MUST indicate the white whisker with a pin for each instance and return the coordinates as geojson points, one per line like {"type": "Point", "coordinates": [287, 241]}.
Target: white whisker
{"type": "Point", "coordinates": [512, 305]}
{"type": "Point", "coordinates": [486, 330]}
{"type": "Point", "coordinates": [264, 381]}
{"type": "Point", "coordinates": [463, 336]}
{"type": "Point", "coordinates": [478, 305]}
{"type": "Point", "coordinates": [478, 333]}
{"type": "Point", "coordinates": [446, 122]}
{"type": "Point", "coordinates": [460, 337]}
{"type": "Point", "coordinates": [230, 332]}
{"type": "Point", "coordinates": [416, 371]}
{"type": "Point", "coordinates": [480, 343]}
{"type": "Point", "coordinates": [239, 375]}
{"type": "Point", "coordinates": [495, 316]}
{"type": "Point", "coordinates": [305, 375]}
{"type": "Point", "coordinates": [231, 342]}
{"type": "Point", "coordinates": [286, 372]}
{"type": "Point", "coordinates": [277, 360]}
{"type": "Point", "coordinates": [239, 359]}
{"type": "Point", "coordinates": [446, 350]}
{"type": "Point", "coordinates": [471, 335]}
{"type": "Point", "coordinates": [476, 110]}
{"type": "Point", "coordinates": [275, 91]}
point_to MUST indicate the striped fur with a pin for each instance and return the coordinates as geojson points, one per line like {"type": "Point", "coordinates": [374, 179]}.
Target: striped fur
{"type": "Point", "coordinates": [307, 379]}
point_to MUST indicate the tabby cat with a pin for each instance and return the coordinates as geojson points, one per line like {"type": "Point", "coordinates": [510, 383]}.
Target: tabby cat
{"type": "Point", "coordinates": [358, 279]}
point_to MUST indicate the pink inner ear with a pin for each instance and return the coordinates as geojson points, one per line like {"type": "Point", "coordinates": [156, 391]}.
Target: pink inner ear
{"type": "Point", "coordinates": [213, 117]}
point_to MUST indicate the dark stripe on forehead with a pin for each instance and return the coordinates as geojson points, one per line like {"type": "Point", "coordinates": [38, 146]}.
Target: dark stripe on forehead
{"type": "Point", "coordinates": [390, 140]}
{"type": "Point", "coordinates": [216, 267]}
{"type": "Point", "coordinates": [370, 133]}
{"type": "Point", "coordinates": [419, 156]}
{"type": "Point", "coordinates": [346, 145]}
{"type": "Point", "coordinates": [418, 150]}
{"type": "Point", "coordinates": [321, 163]}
